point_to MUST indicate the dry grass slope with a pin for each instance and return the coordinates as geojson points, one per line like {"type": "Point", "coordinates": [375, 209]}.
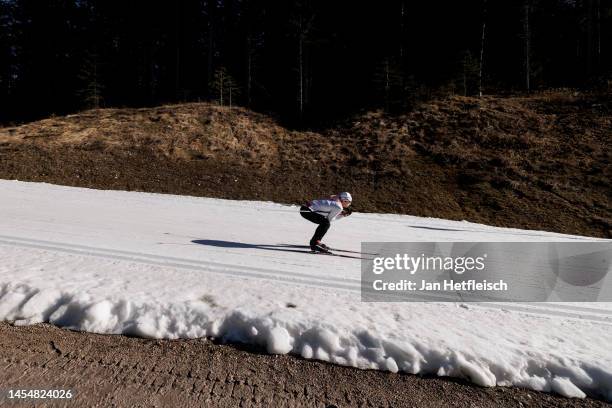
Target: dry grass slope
{"type": "Point", "coordinates": [541, 162]}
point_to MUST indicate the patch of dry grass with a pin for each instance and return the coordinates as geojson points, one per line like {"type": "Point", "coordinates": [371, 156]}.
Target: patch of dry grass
{"type": "Point", "coordinates": [532, 162]}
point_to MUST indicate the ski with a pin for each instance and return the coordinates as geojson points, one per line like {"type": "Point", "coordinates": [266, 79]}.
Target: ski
{"type": "Point", "coordinates": [332, 249]}
{"type": "Point", "coordinates": [339, 255]}
{"type": "Point", "coordinates": [352, 252]}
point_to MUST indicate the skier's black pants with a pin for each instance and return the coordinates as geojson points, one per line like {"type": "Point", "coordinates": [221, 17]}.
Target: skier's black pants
{"type": "Point", "coordinates": [317, 219]}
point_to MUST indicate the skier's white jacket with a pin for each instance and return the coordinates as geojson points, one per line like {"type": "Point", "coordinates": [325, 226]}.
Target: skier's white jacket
{"type": "Point", "coordinates": [332, 209]}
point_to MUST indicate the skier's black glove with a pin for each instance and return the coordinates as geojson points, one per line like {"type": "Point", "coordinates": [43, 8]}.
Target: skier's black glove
{"type": "Point", "coordinates": [347, 211]}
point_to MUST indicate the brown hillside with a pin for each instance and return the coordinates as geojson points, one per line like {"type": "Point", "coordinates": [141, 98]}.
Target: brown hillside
{"type": "Point", "coordinates": [541, 162]}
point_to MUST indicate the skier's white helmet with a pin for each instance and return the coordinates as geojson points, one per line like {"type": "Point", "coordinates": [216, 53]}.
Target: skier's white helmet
{"type": "Point", "coordinates": [345, 196]}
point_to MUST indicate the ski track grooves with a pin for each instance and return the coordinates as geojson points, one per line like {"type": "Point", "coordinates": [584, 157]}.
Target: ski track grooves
{"type": "Point", "coordinates": [352, 285]}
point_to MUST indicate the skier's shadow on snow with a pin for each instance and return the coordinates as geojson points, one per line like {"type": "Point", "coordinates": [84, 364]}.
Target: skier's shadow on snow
{"type": "Point", "coordinates": [242, 245]}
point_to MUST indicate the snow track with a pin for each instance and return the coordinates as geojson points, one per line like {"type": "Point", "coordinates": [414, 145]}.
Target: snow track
{"type": "Point", "coordinates": [185, 263]}
{"type": "Point", "coordinates": [544, 309]}
{"type": "Point", "coordinates": [168, 266]}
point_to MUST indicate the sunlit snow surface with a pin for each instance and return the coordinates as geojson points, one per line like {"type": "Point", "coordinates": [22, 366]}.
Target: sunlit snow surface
{"type": "Point", "coordinates": [167, 266]}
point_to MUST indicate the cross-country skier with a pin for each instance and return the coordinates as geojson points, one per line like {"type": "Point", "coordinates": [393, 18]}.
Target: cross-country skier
{"type": "Point", "coordinates": [323, 212]}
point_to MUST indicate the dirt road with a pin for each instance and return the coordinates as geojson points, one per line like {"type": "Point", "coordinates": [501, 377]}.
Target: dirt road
{"type": "Point", "coordinates": [105, 370]}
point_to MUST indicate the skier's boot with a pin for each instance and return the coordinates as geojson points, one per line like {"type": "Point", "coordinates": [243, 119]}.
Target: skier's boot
{"type": "Point", "coordinates": [318, 246]}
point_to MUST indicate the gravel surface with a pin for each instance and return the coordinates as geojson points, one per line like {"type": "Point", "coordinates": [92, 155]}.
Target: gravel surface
{"type": "Point", "coordinates": [107, 370]}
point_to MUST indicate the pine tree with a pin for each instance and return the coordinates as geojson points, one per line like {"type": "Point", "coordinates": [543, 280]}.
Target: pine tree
{"type": "Point", "coordinates": [389, 83]}
{"type": "Point", "coordinates": [92, 88]}
{"type": "Point", "coordinates": [225, 87]}
{"type": "Point", "coordinates": [527, 43]}
{"type": "Point", "coordinates": [253, 17]}
{"type": "Point", "coordinates": [470, 74]}
{"type": "Point", "coordinates": [482, 46]}
{"type": "Point", "coordinates": [302, 22]}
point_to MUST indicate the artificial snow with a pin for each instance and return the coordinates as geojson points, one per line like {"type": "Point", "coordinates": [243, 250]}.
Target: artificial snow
{"type": "Point", "coordinates": [163, 266]}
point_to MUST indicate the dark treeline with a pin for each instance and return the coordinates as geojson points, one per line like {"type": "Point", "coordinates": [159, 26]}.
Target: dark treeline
{"type": "Point", "coordinates": [306, 60]}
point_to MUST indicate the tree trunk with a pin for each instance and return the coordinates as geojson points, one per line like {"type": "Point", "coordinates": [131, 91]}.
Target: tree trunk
{"type": "Point", "coordinates": [402, 17]}
{"type": "Point", "coordinates": [387, 85]}
{"type": "Point", "coordinates": [221, 88]}
{"type": "Point", "coordinates": [211, 46]}
{"type": "Point", "coordinates": [482, 44]}
{"type": "Point", "coordinates": [96, 95]}
{"type": "Point", "coordinates": [301, 71]}
{"type": "Point", "coordinates": [598, 34]}
{"type": "Point", "coordinates": [589, 44]}
{"type": "Point", "coordinates": [177, 67]}
{"type": "Point", "coordinates": [248, 69]}
{"type": "Point", "coordinates": [527, 35]}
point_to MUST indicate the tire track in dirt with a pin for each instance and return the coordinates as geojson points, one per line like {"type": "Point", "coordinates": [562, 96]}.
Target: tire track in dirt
{"type": "Point", "coordinates": [108, 370]}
